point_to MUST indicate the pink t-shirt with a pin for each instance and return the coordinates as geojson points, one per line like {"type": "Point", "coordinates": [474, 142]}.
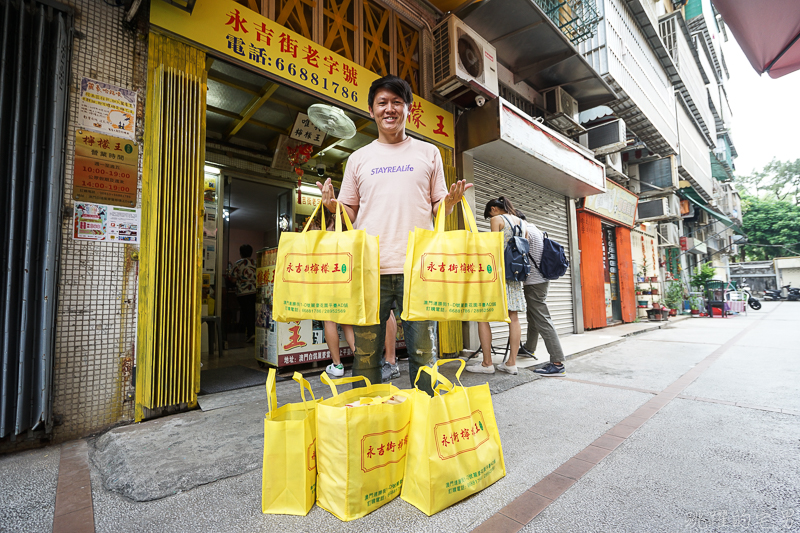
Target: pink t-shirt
{"type": "Point", "coordinates": [394, 187]}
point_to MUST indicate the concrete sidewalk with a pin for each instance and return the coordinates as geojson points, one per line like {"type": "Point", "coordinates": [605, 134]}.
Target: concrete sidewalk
{"type": "Point", "coordinates": [585, 343]}
{"type": "Point", "coordinates": [201, 470]}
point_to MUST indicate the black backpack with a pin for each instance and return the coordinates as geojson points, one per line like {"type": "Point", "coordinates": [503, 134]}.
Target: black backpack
{"type": "Point", "coordinates": [554, 262]}
{"type": "Point", "coordinates": [516, 254]}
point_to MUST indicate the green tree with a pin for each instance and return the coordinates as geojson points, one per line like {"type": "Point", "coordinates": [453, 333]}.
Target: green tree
{"type": "Point", "coordinates": [772, 223]}
{"type": "Point", "coordinates": [779, 180]}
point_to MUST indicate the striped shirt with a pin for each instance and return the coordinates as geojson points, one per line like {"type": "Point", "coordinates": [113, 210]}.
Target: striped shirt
{"type": "Point", "coordinates": [536, 240]}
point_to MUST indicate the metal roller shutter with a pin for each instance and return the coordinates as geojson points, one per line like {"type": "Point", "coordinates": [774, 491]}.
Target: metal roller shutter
{"type": "Point", "coordinates": [548, 211]}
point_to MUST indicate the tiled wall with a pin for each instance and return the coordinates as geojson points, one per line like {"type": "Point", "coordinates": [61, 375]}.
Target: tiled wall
{"type": "Point", "coordinates": [96, 318]}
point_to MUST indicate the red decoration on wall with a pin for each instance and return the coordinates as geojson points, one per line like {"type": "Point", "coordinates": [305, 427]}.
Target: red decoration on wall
{"type": "Point", "coordinates": [299, 156]}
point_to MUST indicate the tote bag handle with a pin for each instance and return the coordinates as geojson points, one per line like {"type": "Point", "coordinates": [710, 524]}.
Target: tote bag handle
{"type": "Point", "coordinates": [341, 381]}
{"type": "Point", "coordinates": [469, 218]}
{"type": "Point", "coordinates": [272, 398]}
{"type": "Point", "coordinates": [444, 383]}
{"type": "Point", "coordinates": [340, 213]}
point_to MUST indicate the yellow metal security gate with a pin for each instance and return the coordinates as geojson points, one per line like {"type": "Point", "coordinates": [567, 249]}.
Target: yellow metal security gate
{"type": "Point", "coordinates": [168, 345]}
{"type": "Point", "coordinates": [451, 340]}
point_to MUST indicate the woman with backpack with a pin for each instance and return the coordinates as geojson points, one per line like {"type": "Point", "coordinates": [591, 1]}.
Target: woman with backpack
{"type": "Point", "coordinates": [503, 217]}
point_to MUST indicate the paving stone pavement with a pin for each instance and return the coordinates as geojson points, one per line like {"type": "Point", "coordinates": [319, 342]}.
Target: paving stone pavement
{"type": "Point", "coordinates": [679, 429]}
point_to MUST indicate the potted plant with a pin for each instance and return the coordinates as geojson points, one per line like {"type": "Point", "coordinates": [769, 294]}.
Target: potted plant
{"type": "Point", "coordinates": [654, 314]}
{"type": "Point", "coordinates": [673, 296]}
{"type": "Point", "coordinates": [702, 274]}
{"type": "Point", "coordinates": [695, 306]}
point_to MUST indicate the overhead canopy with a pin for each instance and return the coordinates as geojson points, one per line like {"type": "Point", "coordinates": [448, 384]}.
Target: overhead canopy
{"type": "Point", "coordinates": [501, 135]}
{"type": "Point", "coordinates": [768, 32]}
{"type": "Point", "coordinates": [719, 216]}
{"type": "Point", "coordinates": [532, 47]}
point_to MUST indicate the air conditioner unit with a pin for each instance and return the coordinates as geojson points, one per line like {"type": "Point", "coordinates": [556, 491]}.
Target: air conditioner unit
{"type": "Point", "coordinates": [607, 138]}
{"type": "Point", "coordinates": [635, 185]}
{"type": "Point", "coordinates": [675, 205]}
{"type": "Point", "coordinates": [557, 100]}
{"type": "Point", "coordinates": [659, 176]}
{"type": "Point", "coordinates": [613, 162]}
{"type": "Point", "coordinates": [669, 235]}
{"type": "Point", "coordinates": [734, 249]}
{"type": "Point", "coordinates": [657, 209]}
{"type": "Point", "coordinates": [562, 111]}
{"type": "Point", "coordinates": [464, 64]}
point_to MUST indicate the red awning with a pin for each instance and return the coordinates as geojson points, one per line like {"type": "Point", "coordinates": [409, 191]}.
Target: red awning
{"type": "Point", "coordinates": [768, 32]}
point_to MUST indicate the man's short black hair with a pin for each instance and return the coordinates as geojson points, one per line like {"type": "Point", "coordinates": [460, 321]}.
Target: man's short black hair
{"type": "Point", "coordinates": [245, 251]}
{"type": "Point", "coordinates": [398, 86]}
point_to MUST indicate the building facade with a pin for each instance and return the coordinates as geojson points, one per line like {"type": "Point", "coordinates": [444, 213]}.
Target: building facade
{"type": "Point", "coordinates": [184, 139]}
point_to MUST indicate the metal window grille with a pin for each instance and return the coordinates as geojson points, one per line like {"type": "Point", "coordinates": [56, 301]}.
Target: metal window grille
{"type": "Point", "coordinates": [577, 19]}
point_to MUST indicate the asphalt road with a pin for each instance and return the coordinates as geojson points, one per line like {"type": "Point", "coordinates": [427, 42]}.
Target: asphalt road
{"type": "Point", "coordinates": [720, 453]}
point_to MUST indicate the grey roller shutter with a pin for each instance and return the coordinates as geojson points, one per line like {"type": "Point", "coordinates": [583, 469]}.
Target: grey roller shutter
{"type": "Point", "coordinates": [548, 211]}
{"type": "Point", "coordinates": [35, 48]}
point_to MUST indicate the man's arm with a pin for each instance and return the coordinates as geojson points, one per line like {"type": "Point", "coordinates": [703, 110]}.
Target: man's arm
{"type": "Point", "coordinates": [329, 200]}
{"type": "Point", "coordinates": [453, 196]}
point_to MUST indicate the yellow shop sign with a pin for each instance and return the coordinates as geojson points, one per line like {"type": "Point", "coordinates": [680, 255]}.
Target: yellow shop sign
{"type": "Point", "coordinates": [242, 34]}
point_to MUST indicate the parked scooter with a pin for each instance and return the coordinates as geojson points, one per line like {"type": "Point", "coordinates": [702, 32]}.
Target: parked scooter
{"type": "Point", "coordinates": [793, 294]}
{"type": "Point", "coordinates": [752, 301]}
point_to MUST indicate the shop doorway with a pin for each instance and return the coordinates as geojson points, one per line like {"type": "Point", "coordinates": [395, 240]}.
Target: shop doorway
{"type": "Point", "coordinates": [611, 276]}
{"type": "Point", "coordinates": [253, 195]}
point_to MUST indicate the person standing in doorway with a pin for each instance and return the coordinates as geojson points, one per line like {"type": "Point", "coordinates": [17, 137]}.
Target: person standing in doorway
{"type": "Point", "coordinates": [244, 275]}
{"type": "Point", "coordinates": [539, 321]}
{"type": "Point", "coordinates": [503, 217]}
{"type": "Point", "coordinates": [391, 186]}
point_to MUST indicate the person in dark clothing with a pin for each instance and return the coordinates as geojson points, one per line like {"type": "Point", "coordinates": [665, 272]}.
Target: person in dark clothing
{"type": "Point", "coordinates": [244, 275]}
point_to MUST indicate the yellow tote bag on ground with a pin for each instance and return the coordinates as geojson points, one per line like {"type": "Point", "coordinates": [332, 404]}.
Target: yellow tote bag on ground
{"type": "Point", "coordinates": [455, 275]}
{"type": "Point", "coordinates": [454, 447]}
{"type": "Point", "coordinates": [361, 450]}
{"type": "Point", "coordinates": [289, 471]}
{"type": "Point", "coordinates": [328, 275]}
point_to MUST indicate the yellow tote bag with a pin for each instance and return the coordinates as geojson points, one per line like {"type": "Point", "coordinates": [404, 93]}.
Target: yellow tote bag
{"type": "Point", "coordinates": [454, 447]}
{"type": "Point", "coordinates": [455, 275]}
{"type": "Point", "coordinates": [289, 471]}
{"type": "Point", "coordinates": [328, 275]}
{"type": "Point", "coordinates": [361, 450]}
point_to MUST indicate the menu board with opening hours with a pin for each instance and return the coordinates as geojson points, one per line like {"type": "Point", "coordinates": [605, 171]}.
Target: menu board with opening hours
{"type": "Point", "coordinates": [106, 169]}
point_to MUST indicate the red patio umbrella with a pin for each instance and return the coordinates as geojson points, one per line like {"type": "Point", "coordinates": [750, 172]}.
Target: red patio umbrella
{"type": "Point", "coordinates": [768, 32]}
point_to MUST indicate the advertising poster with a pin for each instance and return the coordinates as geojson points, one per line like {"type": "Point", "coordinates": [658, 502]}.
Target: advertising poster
{"type": "Point", "coordinates": [107, 108]}
{"type": "Point", "coordinates": [106, 169]}
{"type": "Point", "coordinates": [90, 222]}
{"type": "Point", "coordinates": [106, 223]}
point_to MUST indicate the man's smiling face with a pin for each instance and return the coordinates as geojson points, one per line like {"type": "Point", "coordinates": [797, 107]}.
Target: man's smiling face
{"type": "Point", "coordinates": [389, 111]}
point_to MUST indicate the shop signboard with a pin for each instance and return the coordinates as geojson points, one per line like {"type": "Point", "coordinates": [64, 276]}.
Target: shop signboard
{"type": "Point", "coordinates": [106, 169]}
{"type": "Point", "coordinates": [105, 223]}
{"type": "Point", "coordinates": [106, 108]}
{"type": "Point", "coordinates": [244, 35]}
{"type": "Point", "coordinates": [304, 130]}
{"type": "Point", "coordinates": [617, 204]}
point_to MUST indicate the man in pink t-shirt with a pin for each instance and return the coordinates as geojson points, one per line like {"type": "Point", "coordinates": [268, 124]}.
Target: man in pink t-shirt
{"type": "Point", "coordinates": [391, 186]}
